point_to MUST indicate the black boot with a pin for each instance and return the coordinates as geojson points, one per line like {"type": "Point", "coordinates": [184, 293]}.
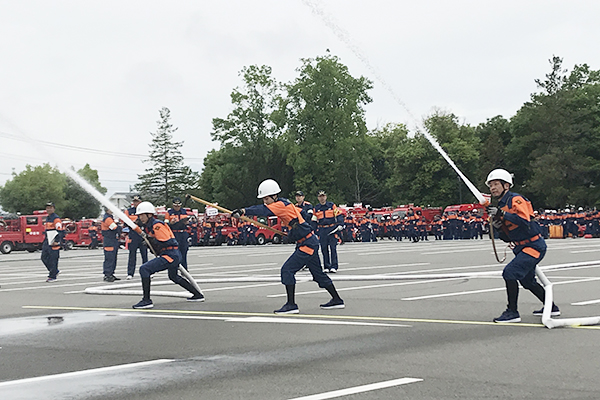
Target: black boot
{"type": "Point", "coordinates": [290, 307]}
{"type": "Point", "coordinates": [335, 302]}
{"type": "Point", "coordinates": [145, 302]}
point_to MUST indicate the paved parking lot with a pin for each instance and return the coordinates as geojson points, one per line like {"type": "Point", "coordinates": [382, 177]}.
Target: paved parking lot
{"type": "Point", "coordinates": [415, 339]}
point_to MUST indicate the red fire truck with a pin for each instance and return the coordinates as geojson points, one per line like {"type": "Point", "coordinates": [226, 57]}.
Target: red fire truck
{"type": "Point", "coordinates": [25, 232]}
{"type": "Point", "coordinates": [78, 234]}
{"type": "Point", "coordinates": [471, 208]}
{"type": "Point", "coordinates": [264, 235]}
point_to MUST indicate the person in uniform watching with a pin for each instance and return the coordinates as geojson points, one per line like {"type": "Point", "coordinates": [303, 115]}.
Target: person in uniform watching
{"type": "Point", "coordinates": [51, 246]}
{"type": "Point", "coordinates": [135, 240]}
{"type": "Point", "coordinates": [329, 221]}
{"type": "Point", "coordinates": [178, 218]}
{"type": "Point", "coordinates": [110, 244]}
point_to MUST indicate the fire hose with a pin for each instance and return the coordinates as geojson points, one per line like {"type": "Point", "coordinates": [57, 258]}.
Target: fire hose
{"type": "Point", "coordinates": [494, 242]}
{"type": "Point", "coordinates": [242, 217]}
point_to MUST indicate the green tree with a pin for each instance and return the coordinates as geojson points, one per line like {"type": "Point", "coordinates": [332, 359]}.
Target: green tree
{"type": "Point", "coordinates": [419, 174]}
{"type": "Point", "coordinates": [555, 148]}
{"type": "Point", "coordinates": [79, 203]}
{"type": "Point", "coordinates": [32, 188]}
{"type": "Point", "coordinates": [495, 134]}
{"type": "Point", "coordinates": [167, 177]}
{"type": "Point", "coordinates": [251, 148]}
{"type": "Point", "coordinates": [327, 141]}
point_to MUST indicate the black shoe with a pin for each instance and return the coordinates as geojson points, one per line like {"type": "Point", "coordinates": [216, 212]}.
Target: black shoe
{"type": "Point", "coordinates": [508, 316]}
{"type": "Point", "coordinates": [333, 304]}
{"type": "Point", "coordinates": [109, 278]}
{"type": "Point", "coordinates": [144, 304]}
{"type": "Point", "coordinates": [115, 278]}
{"type": "Point", "coordinates": [196, 297]}
{"type": "Point", "coordinates": [288, 309]}
{"type": "Point", "coordinates": [554, 313]}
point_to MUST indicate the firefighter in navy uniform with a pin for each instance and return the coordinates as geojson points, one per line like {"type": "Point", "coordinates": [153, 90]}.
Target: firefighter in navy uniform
{"type": "Point", "coordinates": [135, 240]}
{"type": "Point", "coordinates": [307, 245]}
{"type": "Point", "coordinates": [93, 232]}
{"type": "Point", "coordinates": [53, 231]}
{"type": "Point", "coordinates": [329, 220]}
{"type": "Point", "coordinates": [514, 222]}
{"type": "Point", "coordinates": [110, 245]}
{"type": "Point", "coordinates": [306, 207]}
{"type": "Point", "coordinates": [168, 257]}
{"type": "Point", "coordinates": [177, 218]}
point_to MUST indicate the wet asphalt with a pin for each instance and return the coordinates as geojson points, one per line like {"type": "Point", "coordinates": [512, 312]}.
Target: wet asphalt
{"type": "Point", "coordinates": [56, 342]}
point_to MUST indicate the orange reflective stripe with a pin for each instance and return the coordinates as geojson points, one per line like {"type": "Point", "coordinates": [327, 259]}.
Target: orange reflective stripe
{"type": "Point", "coordinates": [109, 248]}
{"type": "Point", "coordinates": [320, 214]}
{"type": "Point", "coordinates": [162, 232]}
{"type": "Point", "coordinates": [308, 250]}
{"type": "Point", "coordinates": [287, 212]}
{"type": "Point", "coordinates": [532, 252]}
{"type": "Point", "coordinates": [166, 257]}
{"type": "Point", "coordinates": [521, 207]}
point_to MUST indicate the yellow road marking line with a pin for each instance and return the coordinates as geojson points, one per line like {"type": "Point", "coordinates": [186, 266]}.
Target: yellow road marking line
{"type": "Point", "coordinates": [253, 314]}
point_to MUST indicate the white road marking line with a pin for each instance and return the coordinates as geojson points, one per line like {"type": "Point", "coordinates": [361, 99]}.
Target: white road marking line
{"type": "Point", "coordinates": [84, 372]}
{"type": "Point", "coordinates": [46, 285]}
{"type": "Point", "coordinates": [455, 251]}
{"type": "Point", "coordinates": [270, 320]}
{"type": "Point", "coordinates": [585, 303]}
{"type": "Point", "coordinates": [488, 290]}
{"type": "Point", "coordinates": [240, 287]}
{"type": "Point", "coordinates": [359, 389]}
{"type": "Point", "coordinates": [345, 289]}
{"type": "Point", "coordinates": [433, 296]}
{"type": "Point", "coordinates": [584, 251]}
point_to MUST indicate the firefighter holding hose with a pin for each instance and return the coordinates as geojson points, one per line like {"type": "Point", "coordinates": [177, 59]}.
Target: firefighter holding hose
{"type": "Point", "coordinates": [307, 245]}
{"type": "Point", "coordinates": [514, 221]}
{"type": "Point", "coordinates": [166, 249]}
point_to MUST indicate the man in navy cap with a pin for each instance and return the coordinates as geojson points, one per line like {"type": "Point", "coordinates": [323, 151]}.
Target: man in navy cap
{"type": "Point", "coordinates": [177, 218]}
{"type": "Point", "coordinates": [329, 221]}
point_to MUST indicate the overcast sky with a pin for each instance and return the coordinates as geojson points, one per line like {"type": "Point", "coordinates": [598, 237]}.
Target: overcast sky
{"type": "Point", "coordinates": [93, 74]}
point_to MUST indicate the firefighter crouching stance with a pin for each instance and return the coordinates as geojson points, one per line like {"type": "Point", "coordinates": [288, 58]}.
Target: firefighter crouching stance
{"type": "Point", "coordinates": [165, 245]}
{"type": "Point", "coordinates": [514, 221]}
{"type": "Point", "coordinates": [307, 245]}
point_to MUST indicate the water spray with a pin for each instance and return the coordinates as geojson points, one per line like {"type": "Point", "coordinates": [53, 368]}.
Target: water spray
{"type": "Point", "coordinates": [346, 39]}
{"type": "Point", "coordinates": [85, 185]}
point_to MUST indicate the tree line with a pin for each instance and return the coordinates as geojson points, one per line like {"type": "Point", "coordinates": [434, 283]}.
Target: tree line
{"type": "Point", "coordinates": [310, 134]}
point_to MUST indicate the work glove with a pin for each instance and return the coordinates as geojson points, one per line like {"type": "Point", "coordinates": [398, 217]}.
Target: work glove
{"type": "Point", "coordinates": [495, 212]}
{"type": "Point", "coordinates": [238, 212]}
{"type": "Point", "coordinates": [497, 224]}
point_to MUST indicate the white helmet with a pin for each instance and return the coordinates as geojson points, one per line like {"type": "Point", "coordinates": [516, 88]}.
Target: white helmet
{"type": "Point", "coordinates": [145, 207]}
{"type": "Point", "coordinates": [499, 174]}
{"type": "Point", "coordinates": [268, 188]}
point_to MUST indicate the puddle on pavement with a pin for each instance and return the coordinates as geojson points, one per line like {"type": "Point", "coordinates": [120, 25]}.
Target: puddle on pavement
{"type": "Point", "coordinates": [25, 325]}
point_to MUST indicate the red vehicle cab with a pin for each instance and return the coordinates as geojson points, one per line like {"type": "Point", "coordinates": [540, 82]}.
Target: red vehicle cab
{"type": "Point", "coordinates": [471, 208]}
{"type": "Point", "coordinates": [264, 235]}
{"type": "Point", "coordinates": [24, 232]}
{"type": "Point", "coordinates": [78, 234]}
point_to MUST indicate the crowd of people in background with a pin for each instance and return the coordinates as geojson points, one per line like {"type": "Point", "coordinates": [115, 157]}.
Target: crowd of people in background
{"type": "Point", "coordinates": [414, 227]}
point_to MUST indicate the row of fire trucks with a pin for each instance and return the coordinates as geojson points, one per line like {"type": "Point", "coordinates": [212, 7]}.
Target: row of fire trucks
{"type": "Point", "coordinates": [26, 232]}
